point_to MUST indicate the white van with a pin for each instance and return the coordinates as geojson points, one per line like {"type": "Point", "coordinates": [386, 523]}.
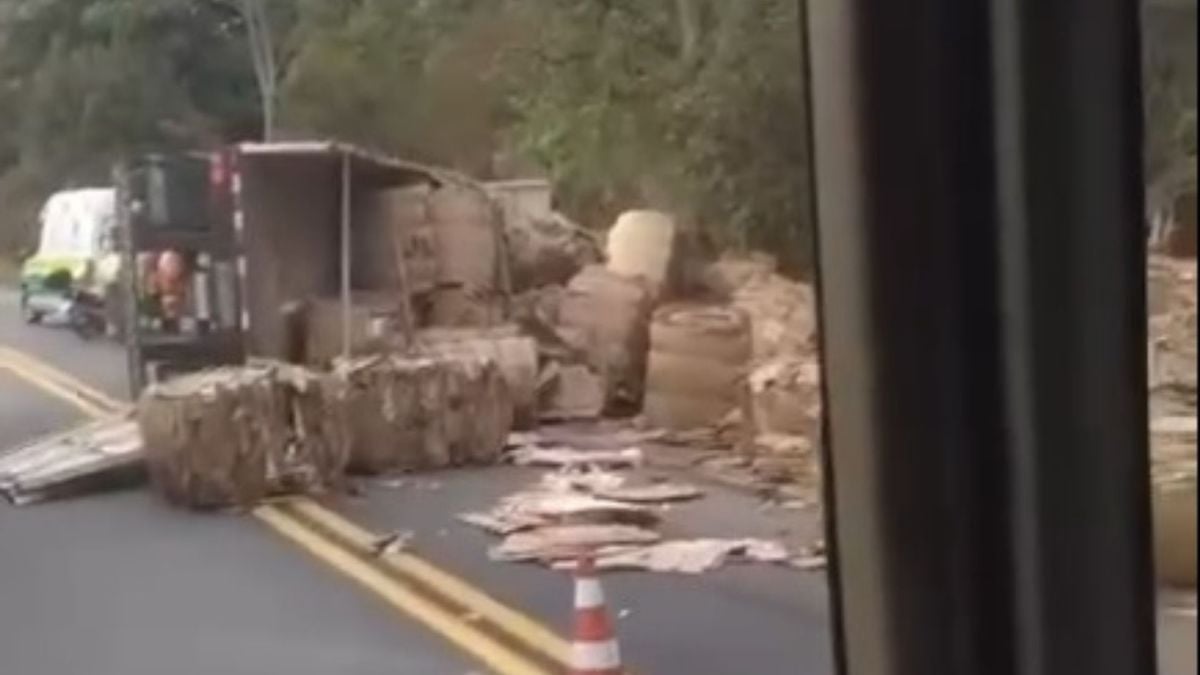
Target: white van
{"type": "Point", "coordinates": [76, 251]}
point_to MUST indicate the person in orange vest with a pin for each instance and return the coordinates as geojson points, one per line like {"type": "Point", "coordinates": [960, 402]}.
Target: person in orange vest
{"type": "Point", "coordinates": [170, 279]}
{"type": "Point", "coordinates": [164, 277]}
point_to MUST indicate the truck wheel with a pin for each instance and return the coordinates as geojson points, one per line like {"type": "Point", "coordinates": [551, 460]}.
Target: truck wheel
{"type": "Point", "coordinates": [31, 316]}
{"type": "Point", "coordinates": [114, 312]}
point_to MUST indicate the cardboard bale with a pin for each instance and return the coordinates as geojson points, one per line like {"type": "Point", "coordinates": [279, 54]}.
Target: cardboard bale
{"type": "Point", "coordinates": [540, 246]}
{"type": "Point", "coordinates": [781, 311]}
{"type": "Point", "coordinates": [783, 396]}
{"type": "Point", "coordinates": [230, 436]}
{"type": "Point", "coordinates": [782, 316]}
{"type": "Point", "coordinates": [606, 317]}
{"type": "Point", "coordinates": [573, 393]}
{"type": "Point", "coordinates": [463, 307]}
{"type": "Point", "coordinates": [319, 448]}
{"type": "Point", "coordinates": [545, 250]}
{"type": "Point", "coordinates": [392, 225]}
{"type": "Point", "coordinates": [643, 244]}
{"type": "Point", "coordinates": [467, 237]}
{"type": "Point", "coordinates": [411, 413]}
{"type": "Point", "coordinates": [696, 364]}
{"type": "Point", "coordinates": [515, 354]}
{"type": "Point", "coordinates": [381, 436]}
{"type": "Point", "coordinates": [479, 409]}
{"type": "Point", "coordinates": [375, 323]}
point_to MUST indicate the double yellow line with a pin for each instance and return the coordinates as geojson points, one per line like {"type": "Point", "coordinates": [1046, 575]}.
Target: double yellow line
{"type": "Point", "coordinates": [90, 401]}
{"type": "Point", "coordinates": [503, 639]}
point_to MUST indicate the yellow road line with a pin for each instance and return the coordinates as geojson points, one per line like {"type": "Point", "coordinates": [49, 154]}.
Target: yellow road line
{"type": "Point", "coordinates": [519, 626]}
{"type": "Point", "coordinates": [50, 387]}
{"type": "Point", "coordinates": [49, 373]}
{"type": "Point", "coordinates": [454, 628]}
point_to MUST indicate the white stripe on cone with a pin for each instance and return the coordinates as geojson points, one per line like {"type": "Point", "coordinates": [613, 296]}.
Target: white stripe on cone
{"type": "Point", "coordinates": [588, 594]}
{"type": "Point", "coordinates": [595, 656]}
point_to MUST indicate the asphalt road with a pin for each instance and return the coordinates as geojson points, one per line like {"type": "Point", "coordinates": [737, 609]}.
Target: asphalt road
{"type": "Point", "coordinates": [118, 584]}
{"type": "Point", "coordinates": [132, 587]}
{"type": "Point", "coordinates": [758, 619]}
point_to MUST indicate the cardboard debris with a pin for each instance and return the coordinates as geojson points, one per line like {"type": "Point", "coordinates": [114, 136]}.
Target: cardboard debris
{"type": "Point", "coordinates": [657, 493]}
{"type": "Point", "coordinates": [375, 322]}
{"type": "Point", "coordinates": [557, 542]}
{"type": "Point", "coordinates": [572, 508]}
{"type": "Point", "coordinates": [581, 507]}
{"type": "Point", "coordinates": [782, 445]}
{"type": "Point", "coordinates": [781, 310]}
{"type": "Point", "coordinates": [573, 392]}
{"type": "Point", "coordinates": [502, 525]}
{"type": "Point", "coordinates": [1173, 424]}
{"type": "Point", "coordinates": [692, 556]}
{"type": "Point", "coordinates": [784, 396]}
{"type": "Point", "coordinates": [99, 453]}
{"type": "Point", "coordinates": [810, 563]}
{"type": "Point", "coordinates": [568, 508]}
{"type": "Point", "coordinates": [517, 439]}
{"type": "Point", "coordinates": [600, 435]}
{"type": "Point", "coordinates": [1171, 298]}
{"type": "Point", "coordinates": [574, 479]}
{"type": "Point", "coordinates": [563, 456]}
{"type": "Point", "coordinates": [700, 439]}
{"type": "Point", "coordinates": [1171, 349]}
{"type": "Point", "coordinates": [547, 249]}
{"type": "Point", "coordinates": [391, 543]}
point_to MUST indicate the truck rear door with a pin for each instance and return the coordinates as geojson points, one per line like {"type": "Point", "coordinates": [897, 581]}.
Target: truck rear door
{"type": "Point", "coordinates": [180, 264]}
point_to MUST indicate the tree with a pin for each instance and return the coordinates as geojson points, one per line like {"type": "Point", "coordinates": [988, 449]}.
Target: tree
{"type": "Point", "coordinates": [83, 83]}
{"type": "Point", "coordinates": [694, 106]}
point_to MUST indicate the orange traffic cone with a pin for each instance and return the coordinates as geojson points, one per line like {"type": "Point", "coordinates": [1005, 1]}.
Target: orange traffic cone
{"type": "Point", "coordinates": [594, 648]}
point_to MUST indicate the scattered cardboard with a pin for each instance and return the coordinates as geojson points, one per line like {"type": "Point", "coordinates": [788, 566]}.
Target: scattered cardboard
{"type": "Point", "coordinates": [558, 542]}
{"type": "Point", "coordinates": [692, 556]}
{"type": "Point", "coordinates": [658, 493]}
{"type": "Point", "coordinates": [564, 456]}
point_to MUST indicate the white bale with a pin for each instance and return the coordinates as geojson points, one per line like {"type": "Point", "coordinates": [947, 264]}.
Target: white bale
{"type": "Point", "coordinates": [641, 244]}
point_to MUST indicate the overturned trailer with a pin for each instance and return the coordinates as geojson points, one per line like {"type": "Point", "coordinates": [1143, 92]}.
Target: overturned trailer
{"type": "Point", "coordinates": [296, 251]}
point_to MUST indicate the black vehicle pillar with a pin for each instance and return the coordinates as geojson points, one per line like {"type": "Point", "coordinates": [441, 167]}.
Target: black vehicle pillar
{"type": "Point", "coordinates": [981, 281]}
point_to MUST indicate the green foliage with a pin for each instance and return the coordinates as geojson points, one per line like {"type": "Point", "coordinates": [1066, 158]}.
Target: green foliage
{"type": "Point", "coordinates": [1169, 88]}
{"type": "Point", "coordinates": [85, 82]}
{"type": "Point", "coordinates": [695, 106]}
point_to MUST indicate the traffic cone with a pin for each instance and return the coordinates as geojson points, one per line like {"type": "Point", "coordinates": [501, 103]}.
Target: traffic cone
{"type": "Point", "coordinates": [594, 648]}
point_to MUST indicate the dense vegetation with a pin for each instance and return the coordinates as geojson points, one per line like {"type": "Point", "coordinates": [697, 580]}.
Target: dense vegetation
{"type": "Point", "coordinates": [692, 105]}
